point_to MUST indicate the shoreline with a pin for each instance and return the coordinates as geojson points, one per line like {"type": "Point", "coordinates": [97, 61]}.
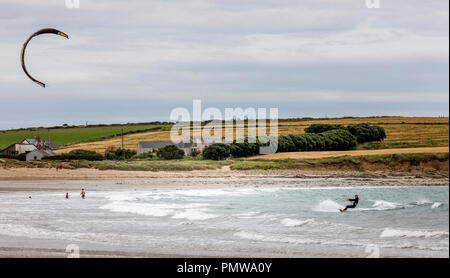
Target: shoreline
{"type": "Point", "coordinates": [48, 174]}
{"type": "Point", "coordinates": [41, 180]}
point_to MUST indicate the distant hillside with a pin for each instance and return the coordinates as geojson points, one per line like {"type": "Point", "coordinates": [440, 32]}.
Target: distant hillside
{"type": "Point", "coordinates": [73, 135]}
{"type": "Point", "coordinates": [402, 132]}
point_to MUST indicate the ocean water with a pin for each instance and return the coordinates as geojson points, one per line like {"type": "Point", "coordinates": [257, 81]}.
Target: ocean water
{"type": "Point", "coordinates": [230, 221]}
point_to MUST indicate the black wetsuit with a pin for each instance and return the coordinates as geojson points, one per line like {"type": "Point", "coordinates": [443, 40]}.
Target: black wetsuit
{"type": "Point", "coordinates": [355, 202]}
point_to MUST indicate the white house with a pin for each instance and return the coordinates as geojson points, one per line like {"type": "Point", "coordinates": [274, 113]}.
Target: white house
{"type": "Point", "coordinates": [29, 145]}
{"type": "Point", "coordinates": [149, 146]}
{"type": "Point", "coordinates": [194, 144]}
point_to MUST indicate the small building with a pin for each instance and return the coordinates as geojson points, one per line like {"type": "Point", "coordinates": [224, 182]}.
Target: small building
{"type": "Point", "coordinates": [18, 148]}
{"type": "Point", "coordinates": [196, 144]}
{"type": "Point", "coordinates": [39, 154]}
{"type": "Point", "coordinates": [149, 146]}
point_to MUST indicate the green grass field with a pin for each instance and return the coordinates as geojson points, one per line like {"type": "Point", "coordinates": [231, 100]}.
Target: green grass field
{"type": "Point", "coordinates": [73, 135]}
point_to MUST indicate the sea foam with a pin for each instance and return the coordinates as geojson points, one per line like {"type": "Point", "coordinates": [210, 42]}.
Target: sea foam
{"type": "Point", "coordinates": [288, 222]}
{"type": "Point", "coordinates": [389, 232]}
{"type": "Point", "coordinates": [328, 206]}
{"type": "Point", "coordinates": [436, 205]}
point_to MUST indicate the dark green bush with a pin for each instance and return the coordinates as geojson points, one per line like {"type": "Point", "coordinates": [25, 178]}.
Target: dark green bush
{"type": "Point", "coordinates": [363, 132]}
{"type": "Point", "coordinates": [338, 139]}
{"type": "Point", "coordinates": [170, 152]}
{"type": "Point", "coordinates": [367, 133]}
{"type": "Point", "coordinates": [217, 151]}
{"type": "Point", "coordinates": [77, 155]}
{"type": "Point", "coordinates": [244, 149]}
{"type": "Point", "coordinates": [236, 151]}
{"type": "Point", "coordinates": [119, 154]}
{"type": "Point", "coordinates": [286, 144]}
{"type": "Point", "coordinates": [145, 155]}
{"type": "Point", "coordinates": [195, 153]}
{"type": "Point", "coordinates": [319, 128]}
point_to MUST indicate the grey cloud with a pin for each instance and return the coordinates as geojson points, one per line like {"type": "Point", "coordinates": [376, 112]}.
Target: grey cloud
{"type": "Point", "coordinates": [139, 59]}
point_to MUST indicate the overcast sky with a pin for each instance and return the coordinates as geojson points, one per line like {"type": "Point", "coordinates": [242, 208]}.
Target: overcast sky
{"type": "Point", "coordinates": [134, 61]}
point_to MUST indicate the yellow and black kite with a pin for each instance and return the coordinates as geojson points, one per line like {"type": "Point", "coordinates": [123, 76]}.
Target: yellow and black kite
{"type": "Point", "coordinates": [22, 54]}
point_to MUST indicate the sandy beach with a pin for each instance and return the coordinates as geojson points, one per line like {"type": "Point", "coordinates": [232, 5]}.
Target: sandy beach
{"type": "Point", "coordinates": [225, 172]}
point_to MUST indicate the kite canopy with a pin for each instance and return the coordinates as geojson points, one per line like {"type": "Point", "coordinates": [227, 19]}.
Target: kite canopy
{"type": "Point", "coordinates": [22, 54]}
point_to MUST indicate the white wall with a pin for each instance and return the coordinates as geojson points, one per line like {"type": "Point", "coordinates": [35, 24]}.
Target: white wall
{"type": "Point", "coordinates": [25, 148]}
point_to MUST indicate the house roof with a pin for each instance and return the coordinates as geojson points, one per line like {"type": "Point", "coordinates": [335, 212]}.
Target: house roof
{"type": "Point", "coordinates": [42, 143]}
{"type": "Point", "coordinates": [154, 144]}
{"type": "Point", "coordinates": [160, 144]}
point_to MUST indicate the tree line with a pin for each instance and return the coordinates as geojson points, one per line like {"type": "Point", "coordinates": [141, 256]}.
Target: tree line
{"type": "Point", "coordinates": [317, 137]}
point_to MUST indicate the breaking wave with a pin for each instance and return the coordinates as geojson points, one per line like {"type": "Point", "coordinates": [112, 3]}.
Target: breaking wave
{"type": "Point", "coordinates": [389, 232]}
{"type": "Point", "coordinates": [436, 205]}
{"type": "Point", "coordinates": [288, 222]}
{"type": "Point", "coordinates": [328, 206]}
{"type": "Point", "coordinates": [191, 211]}
{"type": "Point", "coordinates": [383, 205]}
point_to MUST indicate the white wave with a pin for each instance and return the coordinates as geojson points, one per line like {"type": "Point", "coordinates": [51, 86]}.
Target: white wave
{"type": "Point", "coordinates": [385, 205]}
{"type": "Point", "coordinates": [334, 242]}
{"type": "Point", "coordinates": [215, 192]}
{"type": "Point", "coordinates": [32, 232]}
{"type": "Point", "coordinates": [191, 211]}
{"type": "Point", "coordinates": [210, 192]}
{"type": "Point", "coordinates": [440, 247]}
{"type": "Point", "coordinates": [17, 230]}
{"type": "Point", "coordinates": [194, 214]}
{"type": "Point", "coordinates": [121, 197]}
{"type": "Point", "coordinates": [389, 232]}
{"type": "Point", "coordinates": [249, 214]}
{"type": "Point", "coordinates": [288, 222]}
{"type": "Point", "coordinates": [436, 205]}
{"type": "Point", "coordinates": [382, 205]}
{"type": "Point", "coordinates": [328, 206]}
{"type": "Point", "coordinates": [332, 206]}
{"type": "Point", "coordinates": [143, 209]}
{"type": "Point", "coordinates": [422, 202]}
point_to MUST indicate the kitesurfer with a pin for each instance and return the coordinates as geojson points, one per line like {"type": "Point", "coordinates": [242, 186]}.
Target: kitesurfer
{"type": "Point", "coordinates": [355, 203]}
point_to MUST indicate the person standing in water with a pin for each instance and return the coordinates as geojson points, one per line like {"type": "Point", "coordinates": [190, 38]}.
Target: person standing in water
{"type": "Point", "coordinates": [83, 193]}
{"type": "Point", "coordinates": [67, 195]}
{"type": "Point", "coordinates": [355, 203]}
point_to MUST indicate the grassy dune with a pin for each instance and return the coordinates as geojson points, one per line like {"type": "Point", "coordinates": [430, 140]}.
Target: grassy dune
{"type": "Point", "coordinates": [415, 164]}
{"type": "Point", "coordinates": [430, 163]}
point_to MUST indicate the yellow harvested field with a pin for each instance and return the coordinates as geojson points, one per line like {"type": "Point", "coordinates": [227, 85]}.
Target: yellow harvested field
{"type": "Point", "coordinates": [372, 120]}
{"type": "Point", "coordinates": [314, 155]}
{"type": "Point", "coordinates": [398, 129]}
{"type": "Point", "coordinates": [130, 142]}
